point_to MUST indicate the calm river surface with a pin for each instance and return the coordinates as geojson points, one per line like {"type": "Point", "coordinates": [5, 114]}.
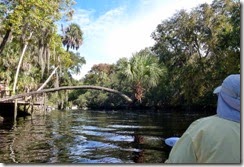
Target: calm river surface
{"type": "Point", "coordinates": [78, 136]}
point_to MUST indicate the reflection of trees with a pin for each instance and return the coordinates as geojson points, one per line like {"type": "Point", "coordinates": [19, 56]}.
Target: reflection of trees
{"type": "Point", "coordinates": [11, 147]}
{"type": "Point", "coordinates": [7, 123]}
{"type": "Point", "coordinates": [138, 157]}
{"type": "Point", "coordinates": [138, 139]}
{"type": "Point", "coordinates": [61, 135]}
{"type": "Point", "coordinates": [149, 149]}
{"type": "Point", "coordinates": [24, 141]}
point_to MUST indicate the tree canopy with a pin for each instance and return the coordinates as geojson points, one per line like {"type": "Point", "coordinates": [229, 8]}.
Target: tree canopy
{"type": "Point", "coordinates": [30, 46]}
{"type": "Point", "coordinates": [193, 52]}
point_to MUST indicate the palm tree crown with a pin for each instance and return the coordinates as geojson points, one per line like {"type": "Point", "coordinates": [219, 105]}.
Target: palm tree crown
{"type": "Point", "coordinates": [144, 72]}
{"type": "Point", "coordinates": [73, 36]}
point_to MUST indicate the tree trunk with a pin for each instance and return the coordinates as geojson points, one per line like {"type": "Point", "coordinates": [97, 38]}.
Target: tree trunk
{"type": "Point", "coordinates": [20, 62]}
{"type": "Point", "coordinates": [68, 88]}
{"type": "Point", "coordinates": [48, 79]}
{"type": "Point", "coordinates": [5, 40]}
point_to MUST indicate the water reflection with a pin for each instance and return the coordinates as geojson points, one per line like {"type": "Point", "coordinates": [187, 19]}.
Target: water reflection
{"type": "Point", "coordinates": [91, 137]}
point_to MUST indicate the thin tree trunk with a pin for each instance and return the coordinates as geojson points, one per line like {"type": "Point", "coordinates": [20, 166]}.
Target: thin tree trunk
{"type": "Point", "coordinates": [48, 58]}
{"type": "Point", "coordinates": [20, 62]}
{"type": "Point", "coordinates": [41, 61]}
{"type": "Point", "coordinates": [48, 79]}
{"type": "Point", "coordinates": [5, 40]}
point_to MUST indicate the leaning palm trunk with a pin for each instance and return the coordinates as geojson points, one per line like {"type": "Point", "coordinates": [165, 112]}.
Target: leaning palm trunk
{"type": "Point", "coordinates": [45, 83]}
{"type": "Point", "coordinates": [48, 79]}
{"type": "Point", "coordinates": [20, 62]}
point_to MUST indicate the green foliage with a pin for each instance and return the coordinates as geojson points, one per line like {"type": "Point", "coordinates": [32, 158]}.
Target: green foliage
{"type": "Point", "coordinates": [124, 76]}
{"type": "Point", "coordinates": [143, 71]}
{"type": "Point", "coordinates": [194, 49]}
{"type": "Point", "coordinates": [77, 63]}
{"type": "Point", "coordinates": [44, 50]}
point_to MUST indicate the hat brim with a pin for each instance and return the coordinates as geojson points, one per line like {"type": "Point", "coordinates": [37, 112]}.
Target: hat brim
{"type": "Point", "coordinates": [217, 90]}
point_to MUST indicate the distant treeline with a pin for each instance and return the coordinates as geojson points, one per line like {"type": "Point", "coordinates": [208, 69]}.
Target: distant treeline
{"type": "Point", "coordinates": [193, 53]}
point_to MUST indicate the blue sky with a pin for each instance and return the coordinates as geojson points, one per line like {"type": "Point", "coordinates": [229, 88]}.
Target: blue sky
{"type": "Point", "coordinates": [118, 28]}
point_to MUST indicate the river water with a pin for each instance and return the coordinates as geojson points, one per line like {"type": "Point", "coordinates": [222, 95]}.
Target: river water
{"type": "Point", "coordinates": [84, 136]}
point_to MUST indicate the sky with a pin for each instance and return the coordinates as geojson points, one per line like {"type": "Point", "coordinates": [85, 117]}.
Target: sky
{"type": "Point", "coordinates": [113, 29]}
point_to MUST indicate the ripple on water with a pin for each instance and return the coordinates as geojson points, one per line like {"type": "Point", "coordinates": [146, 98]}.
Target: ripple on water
{"type": "Point", "coordinates": [124, 126]}
{"type": "Point", "coordinates": [87, 147]}
{"type": "Point", "coordinates": [108, 136]}
{"type": "Point", "coordinates": [121, 138]}
{"type": "Point", "coordinates": [107, 160]}
{"type": "Point", "coordinates": [97, 128]}
{"type": "Point", "coordinates": [95, 133]}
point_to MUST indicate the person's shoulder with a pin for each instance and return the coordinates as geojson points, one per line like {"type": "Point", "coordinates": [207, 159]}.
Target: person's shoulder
{"type": "Point", "coordinates": [202, 125]}
{"type": "Point", "coordinates": [205, 121]}
{"type": "Point", "coordinates": [213, 120]}
{"type": "Point", "coordinates": [208, 118]}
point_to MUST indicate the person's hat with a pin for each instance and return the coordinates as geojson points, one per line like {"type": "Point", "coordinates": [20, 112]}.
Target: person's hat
{"type": "Point", "coordinates": [230, 86]}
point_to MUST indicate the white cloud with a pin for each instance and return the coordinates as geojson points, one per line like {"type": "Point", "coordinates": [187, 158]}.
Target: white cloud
{"type": "Point", "coordinates": [117, 34]}
{"type": "Point", "coordinates": [96, 31]}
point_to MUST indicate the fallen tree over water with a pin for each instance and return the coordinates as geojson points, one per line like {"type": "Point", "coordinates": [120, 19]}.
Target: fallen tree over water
{"type": "Point", "coordinates": [67, 88]}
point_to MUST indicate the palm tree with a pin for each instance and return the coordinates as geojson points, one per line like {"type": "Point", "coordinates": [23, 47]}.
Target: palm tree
{"type": "Point", "coordinates": [143, 71]}
{"type": "Point", "coordinates": [72, 36]}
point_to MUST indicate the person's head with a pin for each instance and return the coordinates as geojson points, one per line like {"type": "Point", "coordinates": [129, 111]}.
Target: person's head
{"type": "Point", "coordinates": [229, 98]}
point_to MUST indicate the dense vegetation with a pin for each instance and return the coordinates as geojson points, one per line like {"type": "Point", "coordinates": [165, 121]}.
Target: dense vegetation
{"type": "Point", "coordinates": [193, 52]}
{"type": "Point", "coordinates": [31, 49]}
